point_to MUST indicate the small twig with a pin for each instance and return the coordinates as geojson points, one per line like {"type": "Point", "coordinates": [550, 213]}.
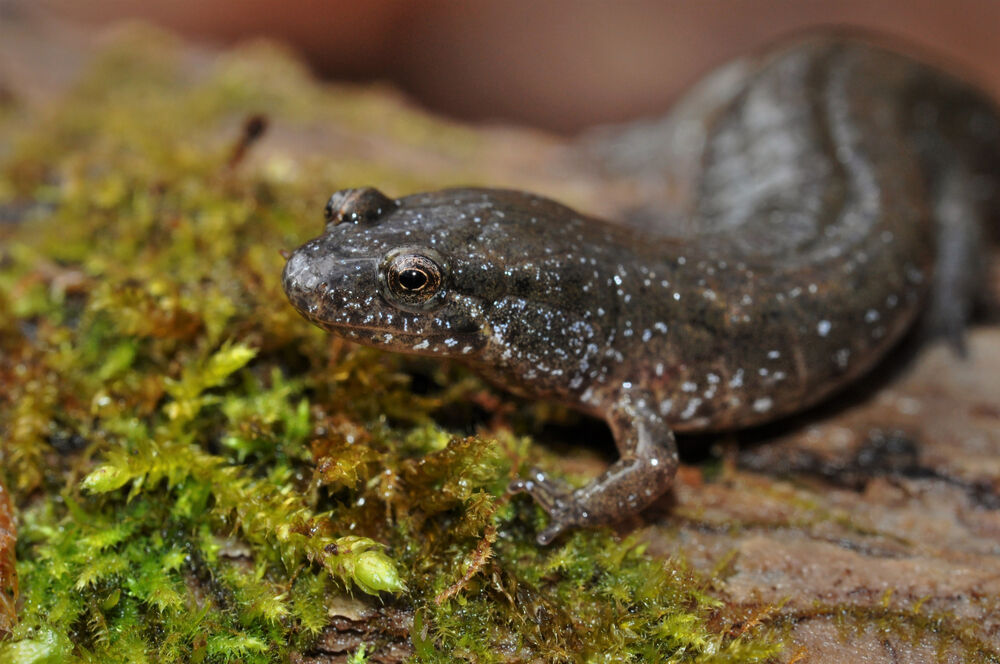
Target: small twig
{"type": "Point", "coordinates": [480, 555]}
{"type": "Point", "coordinates": [253, 128]}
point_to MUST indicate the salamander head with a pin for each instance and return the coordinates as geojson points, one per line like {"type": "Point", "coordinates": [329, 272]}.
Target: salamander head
{"type": "Point", "coordinates": [416, 275]}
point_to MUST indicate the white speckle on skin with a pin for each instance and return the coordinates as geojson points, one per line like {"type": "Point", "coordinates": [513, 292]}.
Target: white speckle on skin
{"type": "Point", "coordinates": [763, 404]}
{"type": "Point", "coordinates": [666, 406]}
{"type": "Point", "coordinates": [908, 405]}
{"type": "Point", "coordinates": [773, 354]}
{"type": "Point", "coordinates": [689, 386]}
{"type": "Point", "coordinates": [690, 409]}
{"type": "Point", "coordinates": [823, 328]}
{"type": "Point", "coordinates": [422, 345]}
{"type": "Point", "coordinates": [737, 379]}
{"type": "Point", "coordinates": [871, 316]}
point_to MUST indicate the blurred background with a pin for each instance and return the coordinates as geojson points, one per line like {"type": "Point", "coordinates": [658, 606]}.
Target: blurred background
{"type": "Point", "coordinates": [555, 64]}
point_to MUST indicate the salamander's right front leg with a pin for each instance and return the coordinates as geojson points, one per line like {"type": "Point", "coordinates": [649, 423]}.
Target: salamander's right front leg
{"type": "Point", "coordinates": [643, 473]}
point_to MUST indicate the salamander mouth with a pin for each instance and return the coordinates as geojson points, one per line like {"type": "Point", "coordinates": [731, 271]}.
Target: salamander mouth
{"type": "Point", "coordinates": [372, 331]}
{"type": "Point", "coordinates": [419, 343]}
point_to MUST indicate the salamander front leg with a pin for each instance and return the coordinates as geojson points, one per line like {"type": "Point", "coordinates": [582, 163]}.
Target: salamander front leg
{"type": "Point", "coordinates": [643, 473]}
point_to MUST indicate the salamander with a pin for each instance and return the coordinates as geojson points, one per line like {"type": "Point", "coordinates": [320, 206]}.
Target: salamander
{"type": "Point", "coordinates": [840, 191]}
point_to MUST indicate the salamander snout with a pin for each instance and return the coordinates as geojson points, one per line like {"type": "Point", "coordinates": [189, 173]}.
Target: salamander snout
{"type": "Point", "coordinates": [299, 282]}
{"type": "Point", "coordinates": [323, 286]}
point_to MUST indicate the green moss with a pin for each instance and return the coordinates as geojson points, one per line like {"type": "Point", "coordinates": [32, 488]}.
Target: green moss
{"type": "Point", "coordinates": [199, 473]}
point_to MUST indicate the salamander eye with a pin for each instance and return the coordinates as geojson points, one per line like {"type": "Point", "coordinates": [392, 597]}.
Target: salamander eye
{"type": "Point", "coordinates": [412, 279]}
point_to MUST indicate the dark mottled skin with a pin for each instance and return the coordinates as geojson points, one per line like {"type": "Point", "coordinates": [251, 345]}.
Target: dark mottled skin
{"type": "Point", "coordinates": [824, 182]}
